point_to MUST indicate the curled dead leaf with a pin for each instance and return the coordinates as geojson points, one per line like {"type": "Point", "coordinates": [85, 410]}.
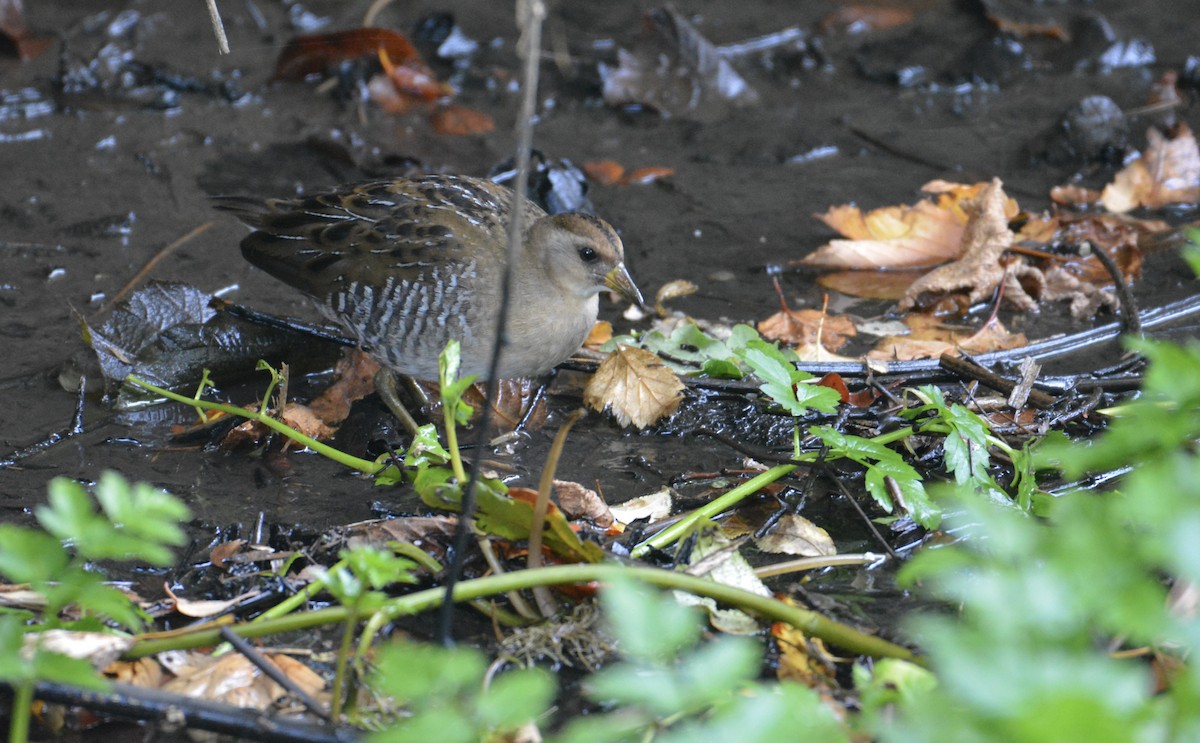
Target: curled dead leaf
{"type": "Point", "coordinates": [1167, 173]}
{"type": "Point", "coordinates": [795, 535]}
{"type": "Point", "coordinates": [980, 270]}
{"type": "Point", "coordinates": [636, 386]}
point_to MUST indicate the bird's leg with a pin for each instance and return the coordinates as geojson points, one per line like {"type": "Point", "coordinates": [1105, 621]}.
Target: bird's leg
{"type": "Point", "coordinates": [385, 385]}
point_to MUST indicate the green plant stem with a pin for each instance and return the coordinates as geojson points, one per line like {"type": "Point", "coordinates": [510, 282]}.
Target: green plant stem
{"type": "Point", "coordinates": [765, 607]}
{"type": "Point", "coordinates": [343, 659]}
{"type": "Point", "coordinates": [456, 465]}
{"type": "Point", "coordinates": [685, 525]}
{"type": "Point", "coordinates": [22, 707]}
{"type": "Point", "coordinates": [354, 463]}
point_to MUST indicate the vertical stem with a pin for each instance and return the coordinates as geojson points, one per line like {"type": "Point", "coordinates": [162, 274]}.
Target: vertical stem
{"type": "Point", "coordinates": [22, 705]}
{"type": "Point", "coordinates": [530, 14]}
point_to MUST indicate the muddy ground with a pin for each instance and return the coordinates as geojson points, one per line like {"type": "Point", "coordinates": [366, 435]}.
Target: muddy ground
{"type": "Point", "coordinates": [96, 182]}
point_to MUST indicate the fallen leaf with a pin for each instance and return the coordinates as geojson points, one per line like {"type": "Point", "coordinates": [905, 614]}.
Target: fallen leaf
{"type": "Point", "coordinates": [674, 70]}
{"type": "Point", "coordinates": [866, 284]}
{"type": "Point", "coordinates": [795, 535]}
{"type": "Point", "coordinates": [143, 672]}
{"type": "Point", "coordinates": [803, 659]}
{"type": "Point", "coordinates": [930, 338]}
{"type": "Point", "coordinates": [354, 379]}
{"type": "Point", "coordinates": [15, 39]}
{"type": "Point", "coordinates": [219, 554]}
{"type": "Point", "coordinates": [578, 502]}
{"type": "Point", "coordinates": [649, 174]}
{"type": "Point", "coordinates": [1074, 195]}
{"type": "Point", "coordinates": [636, 386]}
{"type": "Point", "coordinates": [979, 271]}
{"type": "Point", "coordinates": [97, 648]}
{"type": "Point", "coordinates": [806, 327]}
{"type": "Point", "coordinates": [653, 507]}
{"type": "Point", "coordinates": [889, 237]}
{"type": "Point", "coordinates": [233, 679]}
{"type": "Point", "coordinates": [1167, 173]}
{"type": "Point", "coordinates": [857, 19]}
{"type": "Point", "coordinates": [459, 121]}
{"type": "Point", "coordinates": [1024, 19]}
{"type": "Point", "coordinates": [672, 290]}
{"type": "Point", "coordinates": [604, 172]}
{"type": "Point", "coordinates": [601, 333]}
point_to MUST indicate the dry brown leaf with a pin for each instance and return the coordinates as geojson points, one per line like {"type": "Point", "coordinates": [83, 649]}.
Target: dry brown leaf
{"type": "Point", "coordinates": [980, 270]}
{"type": "Point", "coordinates": [233, 679]}
{"type": "Point", "coordinates": [636, 386]}
{"type": "Point", "coordinates": [1073, 195]}
{"type": "Point", "coordinates": [803, 659]}
{"type": "Point", "coordinates": [672, 290]}
{"type": "Point", "coordinates": [857, 19]}
{"type": "Point", "coordinates": [143, 672]}
{"type": "Point", "coordinates": [930, 339]}
{"type": "Point", "coordinates": [453, 120]}
{"type": "Point", "coordinates": [886, 285]}
{"type": "Point", "coordinates": [219, 554]}
{"type": "Point", "coordinates": [601, 333]}
{"type": "Point", "coordinates": [652, 506]}
{"type": "Point", "coordinates": [578, 502]}
{"type": "Point", "coordinates": [604, 172]}
{"type": "Point", "coordinates": [204, 608]}
{"type": "Point", "coordinates": [805, 327]}
{"type": "Point", "coordinates": [1167, 173]}
{"type": "Point", "coordinates": [795, 535]}
{"type": "Point", "coordinates": [647, 175]}
{"type": "Point", "coordinates": [889, 237]}
{"type": "Point", "coordinates": [97, 648]}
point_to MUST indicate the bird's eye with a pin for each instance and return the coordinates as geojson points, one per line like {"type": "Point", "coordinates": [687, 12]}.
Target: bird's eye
{"type": "Point", "coordinates": [587, 253]}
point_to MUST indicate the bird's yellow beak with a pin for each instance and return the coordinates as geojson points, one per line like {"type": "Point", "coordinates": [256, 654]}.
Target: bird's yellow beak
{"type": "Point", "coordinates": [619, 280]}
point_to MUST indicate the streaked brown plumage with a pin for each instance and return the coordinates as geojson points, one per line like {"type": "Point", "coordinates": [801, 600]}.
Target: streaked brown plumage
{"type": "Point", "coordinates": [405, 265]}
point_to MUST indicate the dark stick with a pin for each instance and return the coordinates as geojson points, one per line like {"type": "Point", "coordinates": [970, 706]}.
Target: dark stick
{"type": "Point", "coordinates": [533, 41]}
{"type": "Point", "coordinates": [153, 705]}
{"type": "Point", "coordinates": [1129, 310]}
{"type": "Point", "coordinates": [273, 672]}
{"type": "Point", "coordinates": [969, 370]}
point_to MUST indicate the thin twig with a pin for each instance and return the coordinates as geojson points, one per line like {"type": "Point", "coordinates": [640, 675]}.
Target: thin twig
{"type": "Point", "coordinates": [1130, 320]}
{"type": "Point", "coordinates": [150, 264]}
{"type": "Point", "coordinates": [273, 672]}
{"type": "Point", "coordinates": [530, 14]}
{"type": "Point", "coordinates": [218, 27]}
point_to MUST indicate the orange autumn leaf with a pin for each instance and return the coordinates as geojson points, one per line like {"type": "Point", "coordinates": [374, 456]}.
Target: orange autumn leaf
{"type": "Point", "coordinates": [886, 285]}
{"type": "Point", "coordinates": [1167, 173]}
{"type": "Point", "coordinates": [924, 234]}
{"type": "Point", "coordinates": [313, 55]}
{"type": "Point", "coordinates": [930, 339]}
{"type": "Point", "coordinates": [460, 121]}
{"type": "Point", "coordinates": [604, 172]}
{"type": "Point", "coordinates": [800, 327]}
{"type": "Point", "coordinates": [412, 77]}
{"type": "Point", "coordinates": [601, 333]}
{"type": "Point", "coordinates": [643, 176]}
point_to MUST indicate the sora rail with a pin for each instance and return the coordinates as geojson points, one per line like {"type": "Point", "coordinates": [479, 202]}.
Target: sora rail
{"type": "Point", "coordinates": [406, 265]}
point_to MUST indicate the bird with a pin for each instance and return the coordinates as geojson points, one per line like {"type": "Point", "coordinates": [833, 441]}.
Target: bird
{"type": "Point", "coordinates": [405, 265]}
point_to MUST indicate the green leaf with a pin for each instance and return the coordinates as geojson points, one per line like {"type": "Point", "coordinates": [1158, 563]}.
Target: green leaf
{"type": "Point", "coordinates": [882, 463]}
{"type": "Point", "coordinates": [648, 625]}
{"type": "Point", "coordinates": [515, 698]}
{"type": "Point", "coordinates": [413, 673]}
{"type": "Point", "coordinates": [783, 382]}
{"type": "Point", "coordinates": [28, 556]}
